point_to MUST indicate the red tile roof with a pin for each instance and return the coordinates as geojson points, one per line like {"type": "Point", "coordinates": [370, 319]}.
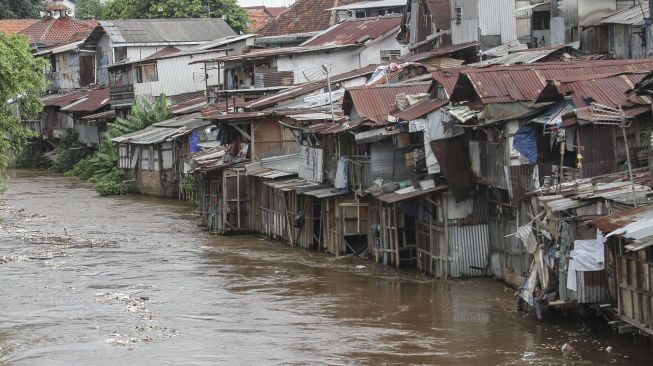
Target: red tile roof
{"type": "Point", "coordinates": [376, 102]}
{"type": "Point", "coordinates": [304, 16]}
{"type": "Point", "coordinates": [51, 31]}
{"type": "Point", "coordinates": [356, 31]}
{"type": "Point", "coordinates": [12, 26]}
{"type": "Point", "coordinates": [276, 10]}
{"type": "Point", "coordinates": [258, 18]}
{"type": "Point", "coordinates": [523, 83]}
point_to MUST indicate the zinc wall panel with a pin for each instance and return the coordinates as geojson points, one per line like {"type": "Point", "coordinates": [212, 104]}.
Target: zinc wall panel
{"type": "Point", "coordinates": [469, 248]}
{"type": "Point", "coordinates": [497, 17]}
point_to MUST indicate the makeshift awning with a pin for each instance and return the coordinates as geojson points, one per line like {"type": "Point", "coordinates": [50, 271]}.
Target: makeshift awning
{"type": "Point", "coordinates": [374, 135]}
{"type": "Point", "coordinates": [462, 113]}
{"type": "Point", "coordinates": [395, 197]}
{"type": "Point", "coordinates": [326, 192]}
{"type": "Point", "coordinates": [527, 11]}
{"type": "Point", "coordinates": [275, 167]}
{"type": "Point", "coordinates": [636, 225]}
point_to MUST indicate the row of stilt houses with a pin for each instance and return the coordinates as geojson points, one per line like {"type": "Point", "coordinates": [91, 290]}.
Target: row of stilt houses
{"type": "Point", "coordinates": [536, 174]}
{"type": "Point", "coordinates": [411, 137]}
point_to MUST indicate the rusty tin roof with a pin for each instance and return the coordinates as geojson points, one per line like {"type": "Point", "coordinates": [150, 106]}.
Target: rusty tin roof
{"type": "Point", "coordinates": [356, 31]}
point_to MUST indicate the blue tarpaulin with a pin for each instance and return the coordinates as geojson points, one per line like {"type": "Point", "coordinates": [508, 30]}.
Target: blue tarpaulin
{"type": "Point", "coordinates": [194, 140]}
{"type": "Point", "coordinates": [525, 142]}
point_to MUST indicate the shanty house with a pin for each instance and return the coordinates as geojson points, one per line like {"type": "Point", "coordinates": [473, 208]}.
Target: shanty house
{"type": "Point", "coordinates": [171, 71]}
{"type": "Point", "coordinates": [58, 39]}
{"type": "Point", "coordinates": [622, 34]}
{"type": "Point", "coordinates": [489, 22]}
{"type": "Point", "coordinates": [629, 265]}
{"type": "Point", "coordinates": [299, 22]}
{"type": "Point", "coordinates": [68, 111]}
{"type": "Point", "coordinates": [426, 25]}
{"type": "Point", "coordinates": [158, 157]}
{"type": "Point", "coordinates": [346, 46]}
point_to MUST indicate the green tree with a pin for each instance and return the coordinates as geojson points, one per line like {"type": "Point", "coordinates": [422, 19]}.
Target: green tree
{"type": "Point", "coordinates": [102, 168]}
{"type": "Point", "coordinates": [233, 14]}
{"type": "Point", "coordinates": [17, 9]}
{"type": "Point", "coordinates": [88, 9]}
{"type": "Point", "coordinates": [22, 81]}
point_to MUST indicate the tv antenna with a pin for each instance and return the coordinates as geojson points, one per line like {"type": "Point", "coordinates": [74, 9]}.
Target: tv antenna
{"type": "Point", "coordinates": [604, 115]}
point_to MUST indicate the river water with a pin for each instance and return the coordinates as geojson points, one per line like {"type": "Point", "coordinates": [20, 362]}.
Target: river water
{"type": "Point", "coordinates": [132, 280]}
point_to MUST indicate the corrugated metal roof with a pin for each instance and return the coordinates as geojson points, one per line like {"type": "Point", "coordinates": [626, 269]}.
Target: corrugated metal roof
{"type": "Point", "coordinates": [376, 102]}
{"type": "Point", "coordinates": [273, 52]}
{"type": "Point", "coordinates": [522, 57]}
{"type": "Point", "coordinates": [421, 108]}
{"type": "Point", "coordinates": [237, 116]}
{"type": "Point", "coordinates": [189, 121]}
{"type": "Point", "coordinates": [614, 187]}
{"type": "Point", "coordinates": [102, 115]}
{"type": "Point", "coordinates": [62, 100]}
{"type": "Point", "coordinates": [635, 225]}
{"type": "Point", "coordinates": [356, 31]}
{"type": "Point", "coordinates": [505, 49]}
{"type": "Point", "coordinates": [164, 131]}
{"type": "Point", "coordinates": [609, 90]}
{"type": "Point", "coordinates": [223, 41]}
{"type": "Point", "coordinates": [171, 31]}
{"type": "Point", "coordinates": [91, 101]}
{"type": "Point", "coordinates": [447, 78]}
{"type": "Point", "coordinates": [308, 88]}
{"type": "Point", "coordinates": [394, 197]}
{"type": "Point", "coordinates": [275, 166]}
{"type": "Point", "coordinates": [634, 15]}
{"type": "Point", "coordinates": [508, 84]}
{"type": "Point", "coordinates": [438, 52]}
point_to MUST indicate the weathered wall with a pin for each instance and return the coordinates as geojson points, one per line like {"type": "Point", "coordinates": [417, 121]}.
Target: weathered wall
{"type": "Point", "coordinates": [176, 76]}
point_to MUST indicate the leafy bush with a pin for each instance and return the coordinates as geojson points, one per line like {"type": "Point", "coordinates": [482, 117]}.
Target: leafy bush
{"type": "Point", "coordinates": [110, 188]}
{"type": "Point", "coordinates": [102, 169]}
{"type": "Point", "coordinates": [69, 152]}
{"type": "Point", "coordinates": [31, 156]}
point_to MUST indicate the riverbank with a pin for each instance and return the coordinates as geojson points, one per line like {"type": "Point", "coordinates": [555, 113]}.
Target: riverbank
{"type": "Point", "coordinates": [132, 279]}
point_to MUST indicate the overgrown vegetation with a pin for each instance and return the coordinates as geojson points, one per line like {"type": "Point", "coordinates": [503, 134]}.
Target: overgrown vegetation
{"type": "Point", "coordinates": [69, 152]}
{"type": "Point", "coordinates": [229, 10]}
{"type": "Point", "coordinates": [21, 83]}
{"type": "Point", "coordinates": [101, 169]}
{"type": "Point", "coordinates": [32, 157]}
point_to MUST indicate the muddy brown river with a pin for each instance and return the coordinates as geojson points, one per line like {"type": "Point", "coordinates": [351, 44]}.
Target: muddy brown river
{"type": "Point", "coordinates": [132, 280]}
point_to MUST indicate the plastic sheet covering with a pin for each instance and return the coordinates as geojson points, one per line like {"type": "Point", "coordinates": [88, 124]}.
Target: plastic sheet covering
{"type": "Point", "coordinates": [588, 255]}
{"type": "Point", "coordinates": [525, 233]}
{"type": "Point", "coordinates": [342, 179]}
{"type": "Point", "coordinates": [525, 142]}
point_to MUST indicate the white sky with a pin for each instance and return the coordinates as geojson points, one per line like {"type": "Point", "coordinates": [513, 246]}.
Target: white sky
{"type": "Point", "coordinates": [265, 2]}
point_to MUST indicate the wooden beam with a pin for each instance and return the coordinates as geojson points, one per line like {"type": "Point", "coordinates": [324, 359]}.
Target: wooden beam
{"type": "Point", "coordinates": [242, 132]}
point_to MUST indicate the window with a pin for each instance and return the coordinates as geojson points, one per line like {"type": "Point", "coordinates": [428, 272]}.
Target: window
{"type": "Point", "coordinates": [146, 73]}
{"type": "Point", "coordinates": [541, 20]}
{"type": "Point", "coordinates": [389, 55]}
{"type": "Point", "coordinates": [120, 53]}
